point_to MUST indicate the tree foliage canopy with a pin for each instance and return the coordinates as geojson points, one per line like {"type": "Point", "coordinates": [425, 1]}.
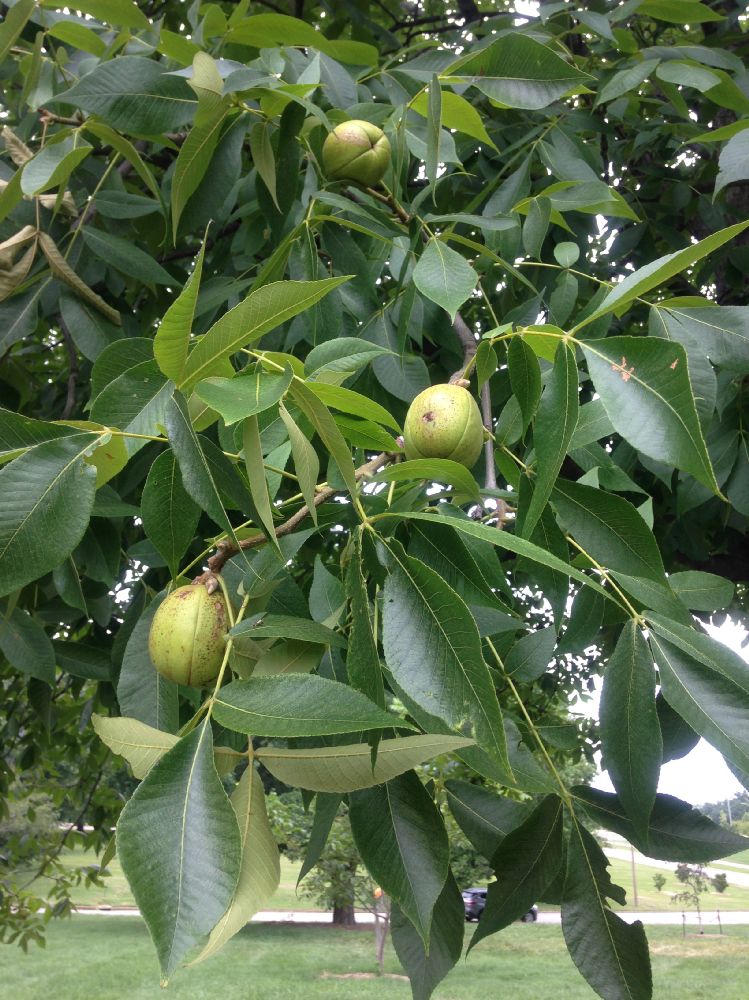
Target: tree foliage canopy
{"type": "Point", "coordinates": [207, 351]}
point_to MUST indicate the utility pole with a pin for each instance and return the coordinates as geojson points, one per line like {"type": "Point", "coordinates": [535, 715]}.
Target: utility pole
{"type": "Point", "coordinates": [634, 876]}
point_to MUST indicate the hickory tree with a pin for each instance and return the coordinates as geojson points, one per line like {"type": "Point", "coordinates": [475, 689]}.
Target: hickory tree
{"type": "Point", "coordinates": [238, 240]}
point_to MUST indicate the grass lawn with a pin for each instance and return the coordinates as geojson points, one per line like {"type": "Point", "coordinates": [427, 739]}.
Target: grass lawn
{"type": "Point", "coordinates": [108, 958]}
{"type": "Point", "coordinates": [742, 858]}
{"type": "Point", "coordinates": [117, 893]}
{"type": "Point", "coordinates": [734, 898]}
{"type": "Point", "coordinates": [729, 866]}
{"type": "Point", "coordinates": [738, 861]}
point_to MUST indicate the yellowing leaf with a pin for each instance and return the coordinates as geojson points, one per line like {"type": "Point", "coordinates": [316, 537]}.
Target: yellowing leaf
{"type": "Point", "coordinates": [260, 870]}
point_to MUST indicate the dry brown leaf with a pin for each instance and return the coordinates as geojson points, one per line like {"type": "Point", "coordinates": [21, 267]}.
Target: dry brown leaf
{"type": "Point", "coordinates": [64, 272]}
{"type": "Point", "coordinates": [19, 151]}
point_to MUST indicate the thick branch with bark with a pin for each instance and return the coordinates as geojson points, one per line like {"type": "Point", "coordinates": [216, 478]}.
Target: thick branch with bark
{"type": "Point", "coordinates": [226, 548]}
{"type": "Point", "coordinates": [467, 340]}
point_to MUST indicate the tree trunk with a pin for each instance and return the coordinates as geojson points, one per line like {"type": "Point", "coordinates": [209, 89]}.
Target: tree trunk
{"type": "Point", "coordinates": [382, 924]}
{"type": "Point", "coordinates": [343, 915]}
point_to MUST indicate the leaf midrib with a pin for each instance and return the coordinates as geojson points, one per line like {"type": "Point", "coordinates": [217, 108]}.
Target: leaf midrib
{"type": "Point", "coordinates": [677, 680]}
{"type": "Point", "coordinates": [50, 486]}
{"type": "Point", "coordinates": [366, 750]}
{"type": "Point", "coordinates": [607, 524]}
{"type": "Point", "coordinates": [455, 654]}
{"type": "Point", "coordinates": [648, 388]}
{"type": "Point", "coordinates": [357, 723]}
{"type": "Point", "coordinates": [531, 865]}
{"type": "Point", "coordinates": [188, 786]}
{"type": "Point", "coordinates": [600, 899]}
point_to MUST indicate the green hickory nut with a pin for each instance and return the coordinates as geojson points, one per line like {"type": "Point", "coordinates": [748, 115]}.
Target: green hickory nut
{"type": "Point", "coordinates": [356, 151]}
{"type": "Point", "coordinates": [444, 422]}
{"type": "Point", "coordinates": [186, 641]}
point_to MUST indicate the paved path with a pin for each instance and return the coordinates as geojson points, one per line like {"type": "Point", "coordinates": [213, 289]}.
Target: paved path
{"type": "Point", "coordinates": [674, 917]}
{"type": "Point", "coordinates": [735, 878]}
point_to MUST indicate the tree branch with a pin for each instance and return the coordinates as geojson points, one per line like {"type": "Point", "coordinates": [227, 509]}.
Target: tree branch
{"type": "Point", "coordinates": [417, 22]}
{"type": "Point", "coordinates": [90, 210]}
{"type": "Point", "coordinates": [461, 328]}
{"type": "Point", "coordinates": [469, 344]}
{"type": "Point", "coordinates": [50, 118]}
{"type": "Point", "coordinates": [467, 341]}
{"type": "Point", "coordinates": [226, 548]}
{"type": "Point", "coordinates": [490, 478]}
{"type": "Point", "coordinates": [55, 853]}
{"type": "Point", "coordinates": [469, 11]}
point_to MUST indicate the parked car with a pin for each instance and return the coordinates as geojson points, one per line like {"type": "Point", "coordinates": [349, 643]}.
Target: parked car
{"type": "Point", "coordinates": [474, 901]}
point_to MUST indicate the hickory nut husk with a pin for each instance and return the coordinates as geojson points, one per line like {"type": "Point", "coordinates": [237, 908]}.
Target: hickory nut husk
{"type": "Point", "coordinates": [444, 422]}
{"type": "Point", "coordinates": [186, 641]}
{"type": "Point", "coordinates": [356, 151]}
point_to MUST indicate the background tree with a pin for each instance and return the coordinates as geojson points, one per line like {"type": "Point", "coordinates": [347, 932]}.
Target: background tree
{"type": "Point", "coordinates": [696, 882]}
{"type": "Point", "coordinates": [719, 811]}
{"type": "Point", "coordinates": [719, 882]}
{"type": "Point", "coordinates": [332, 879]}
{"type": "Point", "coordinates": [208, 350]}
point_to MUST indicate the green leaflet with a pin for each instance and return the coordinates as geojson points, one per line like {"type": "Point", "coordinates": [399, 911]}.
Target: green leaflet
{"type": "Point", "coordinates": [398, 831]}
{"type": "Point", "coordinates": [158, 101]}
{"type": "Point", "coordinates": [427, 969]}
{"type": "Point", "coordinates": [630, 731]}
{"type": "Point", "coordinates": [519, 72]}
{"type": "Point", "coordinates": [48, 494]}
{"type": "Point", "coordinates": [706, 684]}
{"type": "Point", "coordinates": [180, 848]}
{"type": "Point", "coordinates": [525, 377]}
{"type": "Point", "coordinates": [260, 869]}
{"type": "Point", "coordinates": [659, 271]}
{"type": "Point", "coordinates": [195, 158]}
{"type": "Point", "coordinates": [26, 645]}
{"type": "Point", "coordinates": [553, 427]}
{"type": "Point", "coordinates": [676, 830]}
{"type": "Point", "coordinates": [172, 338]}
{"type": "Point", "coordinates": [484, 816]}
{"type": "Point", "coordinates": [197, 475]}
{"type": "Point", "coordinates": [610, 953]}
{"type": "Point", "coordinates": [298, 705]}
{"type": "Point", "coordinates": [433, 649]}
{"type": "Point", "coordinates": [322, 420]}
{"type": "Point", "coordinates": [644, 385]}
{"type": "Point", "coordinates": [511, 542]}
{"type": "Point", "coordinates": [347, 768]}
{"type": "Point", "coordinates": [442, 470]}
{"type": "Point", "coordinates": [306, 462]}
{"type": "Point", "coordinates": [245, 396]}
{"type": "Point", "coordinates": [139, 744]}
{"type": "Point", "coordinates": [362, 659]}
{"type": "Point", "coordinates": [287, 627]}
{"type": "Point", "coordinates": [262, 310]}
{"type": "Point", "coordinates": [444, 276]}
{"type": "Point", "coordinates": [610, 529]}
{"type": "Point", "coordinates": [526, 862]}
{"type": "Point", "coordinates": [253, 460]}
{"type": "Point", "coordinates": [170, 515]}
